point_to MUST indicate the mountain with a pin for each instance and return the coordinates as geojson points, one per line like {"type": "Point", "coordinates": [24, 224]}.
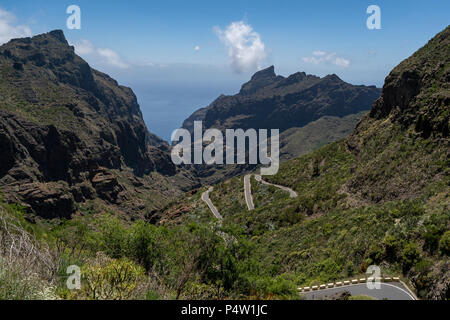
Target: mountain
{"type": "Point", "coordinates": [380, 197]}
{"type": "Point", "coordinates": [296, 142]}
{"type": "Point", "coordinates": [275, 102]}
{"type": "Point", "coordinates": [71, 134]}
{"type": "Point", "coordinates": [301, 106]}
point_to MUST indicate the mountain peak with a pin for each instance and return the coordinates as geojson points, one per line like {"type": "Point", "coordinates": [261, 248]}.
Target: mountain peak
{"type": "Point", "coordinates": [260, 80]}
{"type": "Point", "coordinates": [265, 73]}
{"type": "Point", "coordinates": [43, 39]}
{"type": "Point", "coordinates": [333, 77]}
{"type": "Point", "coordinates": [58, 35]}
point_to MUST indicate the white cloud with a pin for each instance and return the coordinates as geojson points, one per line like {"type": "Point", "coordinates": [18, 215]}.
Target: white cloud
{"type": "Point", "coordinates": [86, 49]}
{"type": "Point", "coordinates": [319, 57]}
{"type": "Point", "coordinates": [112, 58]}
{"type": "Point", "coordinates": [319, 53]}
{"type": "Point", "coordinates": [197, 48]}
{"type": "Point", "coordinates": [341, 62]}
{"type": "Point", "coordinates": [9, 29]}
{"type": "Point", "coordinates": [246, 50]}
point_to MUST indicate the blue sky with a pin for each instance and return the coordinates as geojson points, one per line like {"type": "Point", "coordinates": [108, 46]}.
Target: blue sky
{"type": "Point", "coordinates": [150, 45]}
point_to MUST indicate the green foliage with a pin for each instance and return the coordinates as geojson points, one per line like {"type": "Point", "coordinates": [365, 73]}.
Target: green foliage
{"type": "Point", "coordinates": [432, 237]}
{"type": "Point", "coordinates": [109, 279]}
{"type": "Point", "coordinates": [393, 247]}
{"type": "Point", "coordinates": [361, 297]}
{"type": "Point", "coordinates": [444, 244]}
{"type": "Point", "coordinates": [143, 244]}
{"type": "Point", "coordinates": [410, 255]}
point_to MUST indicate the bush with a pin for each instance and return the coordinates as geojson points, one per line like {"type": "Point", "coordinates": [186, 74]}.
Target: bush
{"type": "Point", "coordinates": [114, 237]}
{"type": "Point", "coordinates": [15, 285]}
{"type": "Point", "coordinates": [392, 247]}
{"type": "Point", "coordinates": [143, 244]}
{"type": "Point", "coordinates": [444, 244]}
{"type": "Point", "coordinates": [376, 253]}
{"type": "Point", "coordinates": [410, 255]}
{"type": "Point", "coordinates": [431, 237]}
{"type": "Point", "coordinates": [110, 279]}
{"type": "Point", "coordinates": [273, 288]}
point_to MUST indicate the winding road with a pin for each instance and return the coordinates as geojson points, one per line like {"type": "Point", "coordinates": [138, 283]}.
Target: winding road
{"type": "Point", "coordinates": [248, 192]}
{"type": "Point", "coordinates": [292, 193]}
{"type": "Point", "coordinates": [248, 189]}
{"type": "Point", "coordinates": [207, 200]}
{"type": "Point", "coordinates": [389, 291]}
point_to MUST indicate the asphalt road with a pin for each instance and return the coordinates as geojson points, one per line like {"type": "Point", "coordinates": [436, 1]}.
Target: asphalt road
{"type": "Point", "coordinates": [389, 291]}
{"type": "Point", "coordinates": [248, 189]}
{"type": "Point", "coordinates": [205, 198]}
{"type": "Point", "coordinates": [292, 193]}
{"type": "Point", "coordinates": [248, 192]}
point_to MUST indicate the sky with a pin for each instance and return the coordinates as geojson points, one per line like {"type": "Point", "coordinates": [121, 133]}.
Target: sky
{"type": "Point", "coordinates": [179, 56]}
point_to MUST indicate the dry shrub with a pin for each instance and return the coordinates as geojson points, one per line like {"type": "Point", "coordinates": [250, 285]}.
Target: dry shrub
{"type": "Point", "coordinates": [27, 266]}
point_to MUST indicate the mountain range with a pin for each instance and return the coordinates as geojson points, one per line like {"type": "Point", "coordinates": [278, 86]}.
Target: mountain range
{"type": "Point", "coordinates": [83, 181]}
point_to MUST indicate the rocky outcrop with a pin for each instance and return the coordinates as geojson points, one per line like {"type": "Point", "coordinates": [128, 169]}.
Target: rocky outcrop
{"type": "Point", "coordinates": [416, 92]}
{"type": "Point", "coordinates": [260, 80]}
{"type": "Point", "coordinates": [107, 186]}
{"type": "Point", "coordinates": [48, 200]}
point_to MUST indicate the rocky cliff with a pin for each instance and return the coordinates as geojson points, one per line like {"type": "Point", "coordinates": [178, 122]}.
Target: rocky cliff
{"type": "Point", "coordinates": [69, 133]}
{"type": "Point", "coordinates": [417, 90]}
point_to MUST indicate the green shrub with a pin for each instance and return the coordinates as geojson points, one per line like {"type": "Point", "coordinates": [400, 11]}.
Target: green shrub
{"type": "Point", "coordinates": [143, 244]}
{"type": "Point", "coordinates": [431, 237]}
{"type": "Point", "coordinates": [444, 244]}
{"type": "Point", "coordinates": [410, 255]}
{"type": "Point", "coordinates": [110, 279]}
{"type": "Point", "coordinates": [113, 237]}
{"type": "Point", "coordinates": [392, 247]}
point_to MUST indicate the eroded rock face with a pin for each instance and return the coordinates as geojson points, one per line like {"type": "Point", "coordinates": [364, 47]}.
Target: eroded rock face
{"type": "Point", "coordinates": [48, 200]}
{"type": "Point", "coordinates": [65, 127]}
{"type": "Point", "coordinates": [416, 92]}
{"type": "Point", "coordinates": [107, 186]}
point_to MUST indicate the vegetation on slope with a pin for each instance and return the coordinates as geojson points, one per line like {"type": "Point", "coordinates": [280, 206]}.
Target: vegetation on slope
{"type": "Point", "coordinates": [380, 196]}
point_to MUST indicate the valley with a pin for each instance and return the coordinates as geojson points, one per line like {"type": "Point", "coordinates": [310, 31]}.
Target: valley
{"type": "Point", "coordinates": [83, 182]}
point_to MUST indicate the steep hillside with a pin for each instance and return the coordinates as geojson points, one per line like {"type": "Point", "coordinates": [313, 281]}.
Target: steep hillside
{"type": "Point", "coordinates": [395, 166]}
{"type": "Point", "coordinates": [380, 196]}
{"type": "Point", "coordinates": [296, 142]}
{"type": "Point", "coordinates": [70, 134]}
